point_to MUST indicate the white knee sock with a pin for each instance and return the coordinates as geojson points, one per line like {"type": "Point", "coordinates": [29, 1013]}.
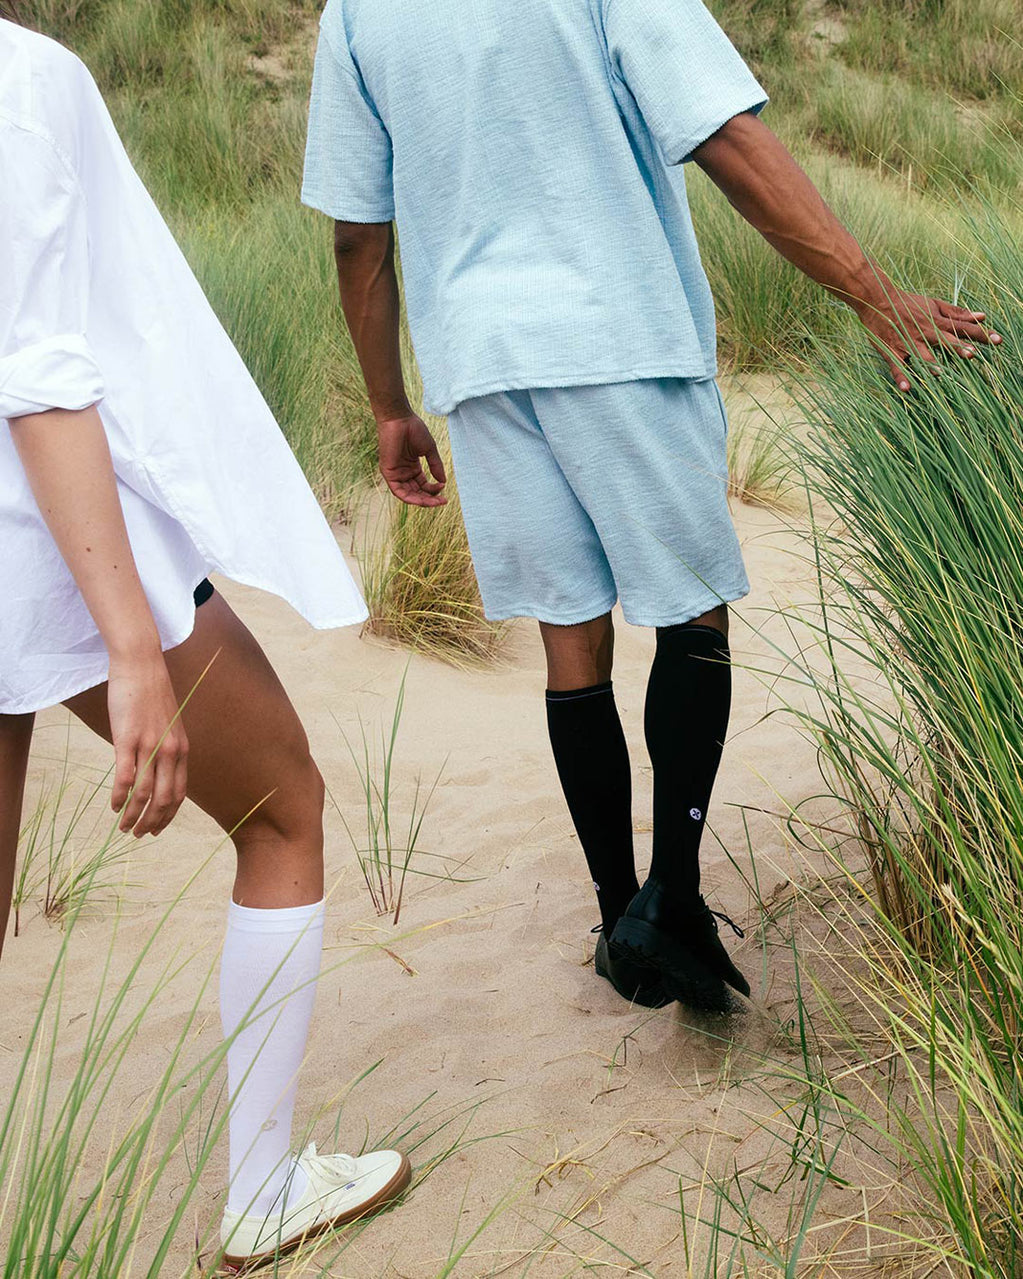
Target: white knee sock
{"type": "Point", "coordinates": [268, 976]}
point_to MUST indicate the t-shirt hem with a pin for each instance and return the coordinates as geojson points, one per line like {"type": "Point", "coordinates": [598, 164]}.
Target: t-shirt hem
{"type": "Point", "coordinates": [682, 369]}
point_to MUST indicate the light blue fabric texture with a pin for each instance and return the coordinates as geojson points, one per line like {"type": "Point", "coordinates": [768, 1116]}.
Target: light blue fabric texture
{"type": "Point", "coordinates": [574, 497]}
{"type": "Point", "coordinates": [530, 153]}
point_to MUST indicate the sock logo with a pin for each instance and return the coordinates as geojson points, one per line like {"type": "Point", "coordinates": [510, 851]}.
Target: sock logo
{"type": "Point", "coordinates": [695, 814]}
{"type": "Point", "coordinates": [596, 888]}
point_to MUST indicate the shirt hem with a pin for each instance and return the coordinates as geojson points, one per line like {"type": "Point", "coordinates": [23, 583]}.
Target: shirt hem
{"type": "Point", "coordinates": [683, 370]}
{"type": "Point", "coordinates": [81, 683]}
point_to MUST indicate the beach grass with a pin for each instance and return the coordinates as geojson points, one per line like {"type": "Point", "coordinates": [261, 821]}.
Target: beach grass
{"type": "Point", "coordinates": [89, 1159]}
{"type": "Point", "coordinates": [917, 673]}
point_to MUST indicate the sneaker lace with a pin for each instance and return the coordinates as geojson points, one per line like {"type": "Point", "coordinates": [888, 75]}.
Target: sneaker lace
{"type": "Point", "coordinates": [329, 1166]}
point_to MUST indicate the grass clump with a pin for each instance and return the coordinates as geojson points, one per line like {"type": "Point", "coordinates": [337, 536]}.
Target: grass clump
{"type": "Point", "coordinates": [918, 676]}
{"type": "Point", "coordinates": [63, 853]}
{"type": "Point", "coordinates": [385, 858]}
{"type": "Point", "coordinates": [920, 133]}
{"type": "Point", "coordinates": [421, 589]}
{"type": "Point", "coordinates": [967, 47]}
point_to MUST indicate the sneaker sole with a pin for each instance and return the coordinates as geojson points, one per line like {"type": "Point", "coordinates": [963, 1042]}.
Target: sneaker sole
{"type": "Point", "coordinates": [229, 1265]}
{"type": "Point", "coordinates": [635, 939]}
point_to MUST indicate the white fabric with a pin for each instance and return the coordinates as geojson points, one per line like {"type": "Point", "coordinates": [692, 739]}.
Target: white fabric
{"type": "Point", "coordinates": [97, 304]}
{"type": "Point", "coordinates": [268, 975]}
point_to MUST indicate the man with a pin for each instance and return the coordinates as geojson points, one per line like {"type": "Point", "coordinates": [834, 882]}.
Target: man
{"type": "Point", "coordinates": [531, 156]}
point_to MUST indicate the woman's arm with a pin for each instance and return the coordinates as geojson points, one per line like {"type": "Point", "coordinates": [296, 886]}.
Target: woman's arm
{"type": "Point", "coordinates": [67, 461]}
{"type": "Point", "coordinates": [770, 190]}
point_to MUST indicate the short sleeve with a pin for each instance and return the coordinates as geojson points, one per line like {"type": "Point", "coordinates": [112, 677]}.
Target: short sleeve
{"type": "Point", "coordinates": [348, 162]}
{"type": "Point", "coordinates": [46, 361]}
{"type": "Point", "coordinates": [686, 76]}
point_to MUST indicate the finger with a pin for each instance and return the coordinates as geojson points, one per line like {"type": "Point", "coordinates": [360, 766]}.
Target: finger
{"type": "Point", "coordinates": [124, 774]}
{"type": "Point", "coordinates": [954, 312]}
{"type": "Point", "coordinates": [180, 794]}
{"type": "Point", "coordinates": [424, 499]}
{"type": "Point", "coordinates": [162, 804]}
{"type": "Point", "coordinates": [413, 496]}
{"type": "Point", "coordinates": [140, 795]}
{"type": "Point", "coordinates": [969, 330]}
{"type": "Point", "coordinates": [898, 372]}
{"type": "Point", "coordinates": [895, 358]}
{"type": "Point", "coordinates": [923, 350]}
{"type": "Point", "coordinates": [436, 465]}
{"type": "Point", "coordinates": [970, 324]}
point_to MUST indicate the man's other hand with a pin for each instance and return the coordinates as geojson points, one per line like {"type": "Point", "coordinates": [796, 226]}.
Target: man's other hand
{"type": "Point", "coordinates": [907, 325]}
{"type": "Point", "coordinates": [403, 442]}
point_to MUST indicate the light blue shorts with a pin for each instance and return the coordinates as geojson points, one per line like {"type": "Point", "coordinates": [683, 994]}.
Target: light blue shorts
{"type": "Point", "coordinates": [575, 497]}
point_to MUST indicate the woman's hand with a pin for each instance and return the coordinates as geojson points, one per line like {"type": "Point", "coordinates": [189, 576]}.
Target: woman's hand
{"type": "Point", "coordinates": [150, 746]}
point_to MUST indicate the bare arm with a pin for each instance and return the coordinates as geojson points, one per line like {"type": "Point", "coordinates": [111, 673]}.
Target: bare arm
{"type": "Point", "coordinates": [766, 185]}
{"type": "Point", "coordinates": [371, 302]}
{"type": "Point", "coordinates": [67, 462]}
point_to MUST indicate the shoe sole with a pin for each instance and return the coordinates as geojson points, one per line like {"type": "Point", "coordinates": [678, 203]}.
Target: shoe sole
{"type": "Point", "coordinates": [229, 1265]}
{"type": "Point", "coordinates": [637, 940]}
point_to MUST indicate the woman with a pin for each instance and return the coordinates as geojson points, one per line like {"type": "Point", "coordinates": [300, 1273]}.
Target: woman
{"type": "Point", "coordinates": [136, 456]}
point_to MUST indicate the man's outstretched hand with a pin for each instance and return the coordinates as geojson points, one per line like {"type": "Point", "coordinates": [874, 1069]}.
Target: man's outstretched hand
{"type": "Point", "coordinates": [904, 325]}
{"type": "Point", "coordinates": [403, 442]}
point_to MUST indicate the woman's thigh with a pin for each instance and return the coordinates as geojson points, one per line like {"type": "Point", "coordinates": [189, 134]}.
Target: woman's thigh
{"type": "Point", "coordinates": [248, 753]}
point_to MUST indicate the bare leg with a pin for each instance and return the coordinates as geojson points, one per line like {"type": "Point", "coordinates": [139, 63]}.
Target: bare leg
{"type": "Point", "coordinates": [15, 739]}
{"type": "Point", "coordinates": [578, 656]}
{"type": "Point", "coordinates": [249, 765]}
{"type": "Point", "coordinates": [583, 655]}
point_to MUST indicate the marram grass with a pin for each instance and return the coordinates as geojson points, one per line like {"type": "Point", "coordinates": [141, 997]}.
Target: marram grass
{"type": "Point", "coordinates": [918, 679]}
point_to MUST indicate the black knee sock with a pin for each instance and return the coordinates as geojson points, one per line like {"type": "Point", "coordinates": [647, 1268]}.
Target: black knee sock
{"type": "Point", "coordinates": [593, 765]}
{"type": "Point", "coordinates": [688, 700]}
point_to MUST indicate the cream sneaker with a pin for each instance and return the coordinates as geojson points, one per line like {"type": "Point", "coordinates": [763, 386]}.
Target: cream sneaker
{"type": "Point", "coordinates": [339, 1189]}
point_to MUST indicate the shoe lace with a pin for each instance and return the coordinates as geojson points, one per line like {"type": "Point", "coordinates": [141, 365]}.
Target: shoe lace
{"type": "Point", "coordinates": [739, 932]}
{"type": "Point", "coordinates": [329, 1166]}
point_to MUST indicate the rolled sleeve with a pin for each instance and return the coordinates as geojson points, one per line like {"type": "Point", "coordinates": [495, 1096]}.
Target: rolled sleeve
{"type": "Point", "coordinates": [686, 76]}
{"type": "Point", "coordinates": [58, 373]}
{"type": "Point", "coordinates": [46, 361]}
{"type": "Point", "coordinates": [349, 161]}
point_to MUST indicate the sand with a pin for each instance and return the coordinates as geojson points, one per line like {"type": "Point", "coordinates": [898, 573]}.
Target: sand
{"type": "Point", "coordinates": [574, 1120]}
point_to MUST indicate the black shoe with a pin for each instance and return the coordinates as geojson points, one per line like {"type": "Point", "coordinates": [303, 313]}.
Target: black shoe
{"type": "Point", "coordinates": [637, 981]}
{"type": "Point", "coordinates": [679, 943]}
{"type": "Point", "coordinates": [704, 939]}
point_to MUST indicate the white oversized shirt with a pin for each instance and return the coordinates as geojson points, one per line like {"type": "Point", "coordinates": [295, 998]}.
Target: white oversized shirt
{"type": "Point", "coordinates": [98, 306]}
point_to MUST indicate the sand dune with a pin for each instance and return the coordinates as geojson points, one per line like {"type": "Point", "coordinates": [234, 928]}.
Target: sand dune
{"type": "Point", "coordinates": [482, 1004]}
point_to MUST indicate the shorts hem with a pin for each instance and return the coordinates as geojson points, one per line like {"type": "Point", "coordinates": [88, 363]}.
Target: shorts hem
{"type": "Point", "coordinates": [688, 612]}
{"type": "Point", "coordinates": [546, 616]}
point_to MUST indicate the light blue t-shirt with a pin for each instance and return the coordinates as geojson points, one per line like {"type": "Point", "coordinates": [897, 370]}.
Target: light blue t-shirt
{"type": "Point", "coordinates": [529, 152]}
